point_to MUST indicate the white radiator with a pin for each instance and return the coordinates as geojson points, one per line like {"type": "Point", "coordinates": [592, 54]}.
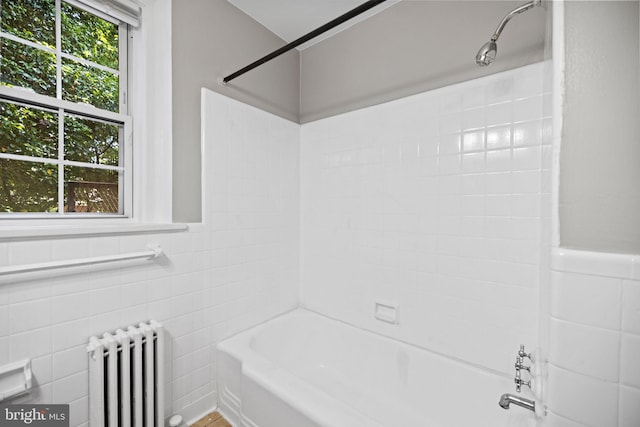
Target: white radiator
{"type": "Point", "coordinates": [126, 377]}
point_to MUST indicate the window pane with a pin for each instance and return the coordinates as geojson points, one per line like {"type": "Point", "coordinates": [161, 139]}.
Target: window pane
{"type": "Point", "coordinates": [81, 83]}
{"type": "Point", "coordinates": [28, 186]}
{"type": "Point", "coordinates": [33, 20]}
{"type": "Point", "coordinates": [27, 67]}
{"type": "Point", "coordinates": [91, 141]}
{"type": "Point", "coordinates": [90, 190]}
{"type": "Point", "coordinates": [28, 131]}
{"type": "Point", "coordinates": [89, 37]}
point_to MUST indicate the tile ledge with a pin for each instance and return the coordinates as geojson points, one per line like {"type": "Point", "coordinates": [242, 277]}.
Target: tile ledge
{"type": "Point", "coordinates": [623, 266]}
{"type": "Point", "coordinates": [12, 234]}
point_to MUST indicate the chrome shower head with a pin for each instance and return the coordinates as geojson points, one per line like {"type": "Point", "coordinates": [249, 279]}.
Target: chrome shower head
{"type": "Point", "coordinates": [487, 53]}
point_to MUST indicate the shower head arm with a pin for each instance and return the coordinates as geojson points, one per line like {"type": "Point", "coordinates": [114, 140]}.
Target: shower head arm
{"type": "Point", "coordinates": [514, 12]}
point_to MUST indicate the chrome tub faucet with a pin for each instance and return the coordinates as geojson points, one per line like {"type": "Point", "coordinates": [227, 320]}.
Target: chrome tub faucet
{"type": "Point", "coordinates": [507, 399]}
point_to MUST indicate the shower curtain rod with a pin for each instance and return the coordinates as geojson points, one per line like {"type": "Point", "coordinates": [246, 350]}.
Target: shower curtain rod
{"type": "Point", "coordinates": [313, 34]}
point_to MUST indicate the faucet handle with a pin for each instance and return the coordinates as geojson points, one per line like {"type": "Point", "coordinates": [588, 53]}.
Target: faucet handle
{"type": "Point", "coordinates": [520, 382]}
{"type": "Point", "coordinates": [522, 353]}
{"type": "Point", "coordinates": [520, 365]}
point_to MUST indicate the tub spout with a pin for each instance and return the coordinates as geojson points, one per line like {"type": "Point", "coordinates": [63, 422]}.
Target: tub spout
{"type": "Point", "coordinates": [506, 399]}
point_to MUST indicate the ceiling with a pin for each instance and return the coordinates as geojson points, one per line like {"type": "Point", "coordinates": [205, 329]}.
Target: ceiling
{"type": "Point", "coordinates": [291, 19]}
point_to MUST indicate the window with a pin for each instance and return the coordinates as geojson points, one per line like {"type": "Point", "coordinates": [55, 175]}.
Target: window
{"type": "Point", "coordinates": [64, 129]}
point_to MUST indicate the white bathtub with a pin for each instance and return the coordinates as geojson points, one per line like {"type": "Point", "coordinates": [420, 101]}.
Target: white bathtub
{"type": "Point", "coordinates": [305, 370]}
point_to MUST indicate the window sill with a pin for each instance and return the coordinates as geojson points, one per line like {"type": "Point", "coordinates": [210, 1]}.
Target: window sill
{"type": "Point", "coordinates": [16, 233]}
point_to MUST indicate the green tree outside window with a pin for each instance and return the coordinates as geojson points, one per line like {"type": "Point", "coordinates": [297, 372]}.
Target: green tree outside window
{"type": "Point", "coordinates": [26, 130]}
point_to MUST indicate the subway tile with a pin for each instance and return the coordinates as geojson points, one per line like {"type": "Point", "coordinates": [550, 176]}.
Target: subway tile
{"type": "Point", "coordinates": [547, 105]}
{"type": "Point", "coordinates": [586, 400]}
{"type": "Point", "coordinates": [527, 108]}
{"type": "Point", "coordinates": [473, 141]}
{"type": "Point", "coordinates": [473, 184]}
{"type": "Point", "coordinates": [70, 334]}
{"type": "Point", "coordinates": [66, 285]}
{"type": "Point", "coordinates": [585, 350]}
{"type": "Point", "coordinates": [70, 361]}
{"type": "Point", "coordinates": [451, 123]}
{"type": "Point", "coordinates": [29, 252]}
{"type": "Point", "coordinates": [29, 291]}
{"type": "Point", "coordinates": [473, 119]}
{"type": "Point", "coordinates": [523, 251]}
{"type": "Point", "coordinates": [182, 366]}
{"type": "Point", "coordinates": [595, 263]}
{"type": "Point", "coordinates": [629, 366]}
{"type": "Point", "coordinates": [4, 254]}
{"type": "Point", "coordinates": [134, 294]}
{"type": "Point", "coordinates": [527, 133]}
{"type": "Point", "coordinates": [498, 205]}
{"type": "Point", "coordinates": [631, 306]}
{"type": "Point", "coordinates": [589, 300]}
{"type": "Point", "coordinates": [526, 181]}
{"type": "Point", "coordinates": [528, 83]}
{"type": "Point", "coordinates": [104, 300]}
{"type": "Point", "coordinates": [499, 115]}
{"type": "Point", "coordinates": [472, 206]}
{"type": "Point", "coordinates": [500, 90]}
{"type": "Point", "coordinates": [4, 294]}
{"type": "Point", "coordinates": [134, 272]}
{"type": "Point", "coordinates": [30, 344]}
{"type": "Point", "coordinates": [527, 158]}
{"type": "Point", "coordinates": [526, 205]}
{"type": "Point", "coordinates": [449, 144]}
{"type": "Point", "coordinates": [446, 165]}
{"type": "Point", "coordinates": [555, 420]}
{"type": "Point", "coordinates": [103, 246]}
{"type": "Point", "coordinates": [133, 315]}
{"type": "Point", "coordinates": [499, 183]}
{"type": "Point", "coordinates": [64, 249]}
{"type": "Point", "coordinates": [473, 98]}
{"type": "Point", "coordinates": [71, 388]}
{"type": "Point", "coordinates": [79, 412]}
{"type": "Point", "coordinates": [256, 197]}
{"type": "Point", "coordinates": [498, 137]}
{"type": "Point", "coordinates": [525, 228]}
{"type": "Point", "coordinates": [473, 162]}
{"type": "Point", "coordinates": [29, 315]}
{"type": "Point", "coordinates": [635, 268]}
{"type": "Point", "coordinates": [107, 322]}
{"type": "Point", "coordinates": [158, 288]}
{"type": "Point", "coordinates": [487, 213]}
{"type": "Point", "coordinates": [629, 410]}
{"type": "Point", "coordinates": [41, 369]}
{"type": "Point", "coordinates": [70, 307]}
{"type": "Point", "coordinates": [498, 161]}
{"type": "Point", "coordinates": [427, 147]}
{"type": "Point", "coordinates": [40, 395]}
{"type": "Point", "coordinates": [4, 321]}
{"type": "Point", "coordinates": [451, 103]}
{"type": "Point", "coordinates": [104, 278]}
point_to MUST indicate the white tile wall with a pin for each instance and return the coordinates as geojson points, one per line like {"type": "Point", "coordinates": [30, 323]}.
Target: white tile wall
{"type": "Point", "coordinates": [594, 340]}
{"type": "Point", "coordinates": [434, 202]}
{"type": "Point", "coordinates": [237, 269]}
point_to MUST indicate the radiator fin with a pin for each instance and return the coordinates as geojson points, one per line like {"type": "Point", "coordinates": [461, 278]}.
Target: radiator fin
{"type": "Point", "coordinates": [126, 377]}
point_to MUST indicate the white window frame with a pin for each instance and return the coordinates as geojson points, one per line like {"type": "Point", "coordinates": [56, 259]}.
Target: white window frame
{"type": "Point", "coordinates": [64, 107]}
{"type": "Point", "coordinates": [150, 103]}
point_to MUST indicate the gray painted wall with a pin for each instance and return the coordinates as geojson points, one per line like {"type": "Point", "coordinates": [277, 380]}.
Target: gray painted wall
{"type": "Point", "coordinates": [211, 39]}
{"type": "Point", "coordinates": [412, 47]}
{"type": "Point", "coordinates": [600, 153]}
